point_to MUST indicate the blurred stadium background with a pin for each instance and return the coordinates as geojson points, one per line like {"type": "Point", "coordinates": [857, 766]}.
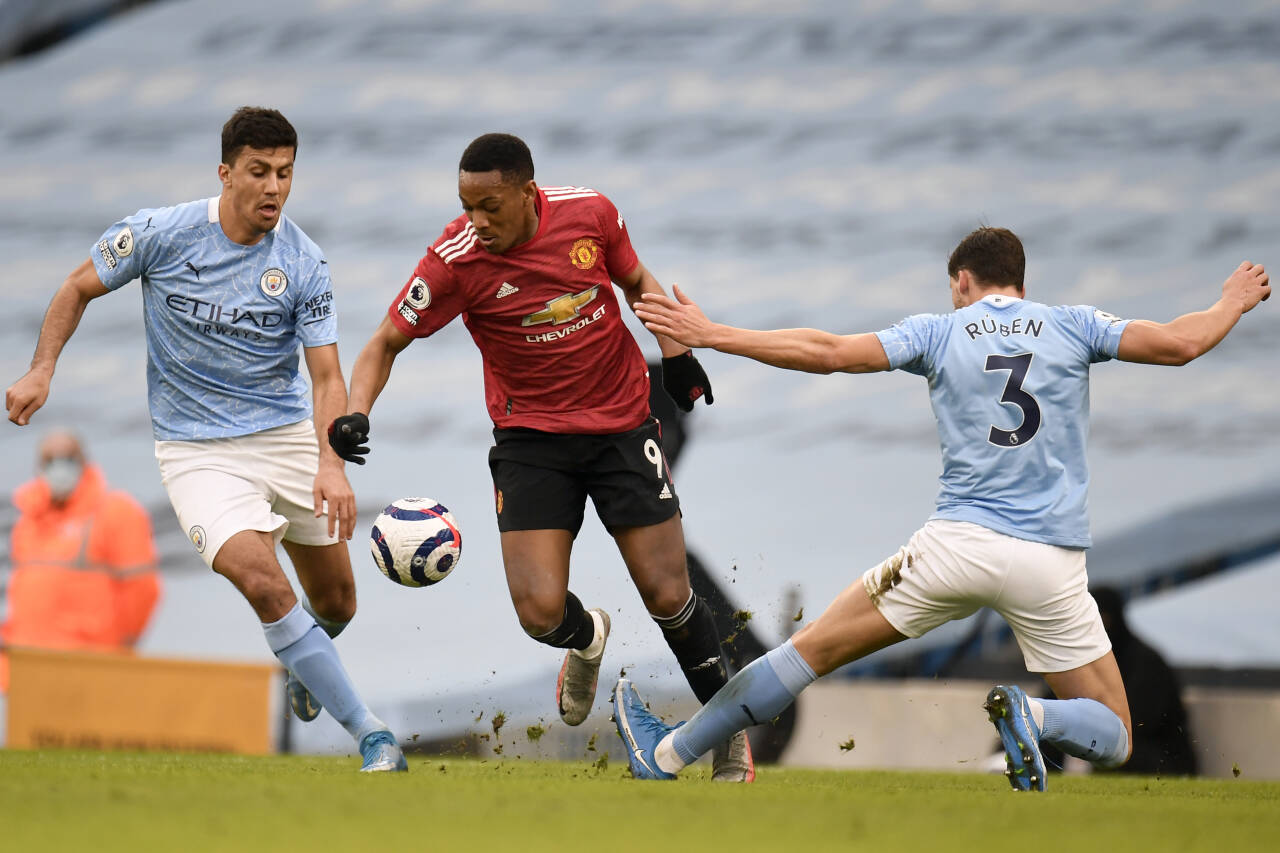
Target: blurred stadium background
{"type": "Point", "coordinates": [808, 163]}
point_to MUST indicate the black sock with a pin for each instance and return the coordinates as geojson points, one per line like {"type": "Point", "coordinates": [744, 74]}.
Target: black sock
{"type": "Point", "coordinates": [691, 634]}
{"type": "Point", "coordinates": [576, 630]}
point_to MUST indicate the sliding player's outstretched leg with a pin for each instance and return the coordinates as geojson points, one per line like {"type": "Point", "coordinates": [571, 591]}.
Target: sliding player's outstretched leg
{"type": "Point", "coordinates": [641, 731]}
{"type": "Point", "coordinates": [1008, 710]}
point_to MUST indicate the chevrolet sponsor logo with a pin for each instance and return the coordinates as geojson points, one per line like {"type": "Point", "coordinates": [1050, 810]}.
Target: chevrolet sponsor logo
{"type": "Point", "coordinates": [562, 309]}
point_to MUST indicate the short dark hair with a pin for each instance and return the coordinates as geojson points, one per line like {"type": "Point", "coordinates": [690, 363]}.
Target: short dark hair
{"type": "Point", "coordinates": [499, 151]}
{"type": "Point", "coordinates": [256, 127]}
{"type": "Point", "coordinates": [993, 256]}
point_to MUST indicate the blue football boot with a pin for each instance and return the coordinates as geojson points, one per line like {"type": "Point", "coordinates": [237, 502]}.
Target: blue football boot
{"type": "Point", "coordinates": [1007, 708]}
{"type": "Point", "coordinates": [381, 753]}
{"type": "Point", "coordinates": [640, 731]}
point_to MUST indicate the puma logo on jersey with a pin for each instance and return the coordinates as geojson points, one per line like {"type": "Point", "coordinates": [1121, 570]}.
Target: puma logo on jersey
{"type": "Point", "coordinates": [192, 267]}
{"type": "Point", "coordinates": [506, 290]}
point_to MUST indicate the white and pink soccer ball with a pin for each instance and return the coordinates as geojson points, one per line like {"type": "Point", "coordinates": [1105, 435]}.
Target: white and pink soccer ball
{"type": "Point", "coordinates": [416, 542]}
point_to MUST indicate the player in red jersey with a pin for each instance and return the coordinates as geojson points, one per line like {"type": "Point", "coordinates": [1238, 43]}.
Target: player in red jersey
{"type": "Point", "coordinates": [531, 270]}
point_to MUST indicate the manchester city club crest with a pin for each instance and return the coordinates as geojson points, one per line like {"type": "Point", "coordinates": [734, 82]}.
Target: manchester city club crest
{"type": "Point", "coordinates": [197, 537]}
{"type": "Point", "coordinates": [273, 281]}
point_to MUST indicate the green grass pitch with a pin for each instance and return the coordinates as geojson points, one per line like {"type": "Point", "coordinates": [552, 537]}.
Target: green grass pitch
{"type": "Point", "coordinates": [78, 801]}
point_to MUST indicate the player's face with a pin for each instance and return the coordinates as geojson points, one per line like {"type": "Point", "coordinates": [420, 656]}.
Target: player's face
{"type": "Point", "coordinates": [256, 187]}
{"type": "Point", "coordinates": [502, 212]}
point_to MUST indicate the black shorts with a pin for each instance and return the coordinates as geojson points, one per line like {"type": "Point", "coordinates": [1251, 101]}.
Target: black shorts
{"type": "Point", "coordinates": [541, 480]}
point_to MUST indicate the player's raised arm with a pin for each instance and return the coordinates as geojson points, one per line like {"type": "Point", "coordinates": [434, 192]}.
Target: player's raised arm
{"type": "Point", "coordinates": [1192, 335]}
{"type": "Point", "coordinates": [349, 434]}
{"type": "Point", "coordinates": [810, 350]}
{"type": "Point", "coordinates": [29, 393]}
{"type": "Point", "coordinates": [682, 376]}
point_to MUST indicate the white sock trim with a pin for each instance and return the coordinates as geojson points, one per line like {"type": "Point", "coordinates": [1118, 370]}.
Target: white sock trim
{"type": "Point", "coordinates": [1037, 713]}
{"type": "Point", "coordinates": [597, 642]}
{"type": "Point", "coordinates": [665, 755]}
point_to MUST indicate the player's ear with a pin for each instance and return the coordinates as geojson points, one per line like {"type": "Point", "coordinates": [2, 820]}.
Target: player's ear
{"type": "Point", "coordinates": [224, 174]}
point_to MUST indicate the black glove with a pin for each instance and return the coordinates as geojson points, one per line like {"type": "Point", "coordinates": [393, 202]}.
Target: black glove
{"type": "Point", "coordinates": [685, 381]}
{"type": "Point", "coordinates": [349, 436]}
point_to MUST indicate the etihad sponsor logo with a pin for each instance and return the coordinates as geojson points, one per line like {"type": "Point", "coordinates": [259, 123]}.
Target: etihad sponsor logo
{"type": "Point", "coordinates": [418, 296]}
{"type": "Point", "coordinates": [562, 309]}
{"type": "Point", "coordinates": [210, 319]}
{"type": "Point", "coordinates": [104, 249]}
{"type": "Point", "coordinates": [583, 254]}
{"type": "Point", "coordinates": [211, 312]}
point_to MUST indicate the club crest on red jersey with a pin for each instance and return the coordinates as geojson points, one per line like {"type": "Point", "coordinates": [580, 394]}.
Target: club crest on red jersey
{"type": "Point", "coordinates": [584, 253]}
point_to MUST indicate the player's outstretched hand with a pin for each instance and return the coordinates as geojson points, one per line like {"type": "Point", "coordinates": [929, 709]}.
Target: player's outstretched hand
{"type": "Point", "coordinates": [679, 319]}
{"type": "Point", "coordinates": [685, 381]}
{"type": "Point", "coordinates": [349, 436]}
{"type": "Point", "coordinates": [1249, 283]}
{"type": "Point", "coordinates": [25, 396]}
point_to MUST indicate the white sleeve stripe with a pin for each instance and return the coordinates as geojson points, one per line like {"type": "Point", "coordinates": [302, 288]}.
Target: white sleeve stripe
{"type": "Point", "coordinates": [572, 195]}
{"type": "Point", "coordinates": [458, 251]}
{"type": "Point", "coordinates": [564, 190]}
{"type": "Point", "coordinates": [449, 245]}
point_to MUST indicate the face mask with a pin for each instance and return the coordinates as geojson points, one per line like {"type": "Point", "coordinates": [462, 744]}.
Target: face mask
{"type": "Point", "coordinates": [62, 475]}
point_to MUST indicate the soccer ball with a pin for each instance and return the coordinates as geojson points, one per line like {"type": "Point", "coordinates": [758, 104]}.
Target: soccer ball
{"type": "Point", "coordinates": [416, 542]}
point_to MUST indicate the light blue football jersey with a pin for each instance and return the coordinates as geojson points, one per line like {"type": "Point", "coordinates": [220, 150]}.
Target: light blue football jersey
{"type": "Point", "coordinates": [223, 321]}
{"type": "Point", "coordinates": [1009, 385]}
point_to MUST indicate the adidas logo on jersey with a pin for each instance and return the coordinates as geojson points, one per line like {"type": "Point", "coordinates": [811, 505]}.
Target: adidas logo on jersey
{"type": "Point", "coordinates": [665, 494]}
{"type": "Point", "coordinates": [506, 290]}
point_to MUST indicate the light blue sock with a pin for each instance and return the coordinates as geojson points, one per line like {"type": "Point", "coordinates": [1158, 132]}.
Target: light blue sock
{"type": "Point", "coordinates": [756, 695]}
{"type": "Point", "coordinates": [1086, 729]}
{"type": "Point", "coordinates": [306, 650]}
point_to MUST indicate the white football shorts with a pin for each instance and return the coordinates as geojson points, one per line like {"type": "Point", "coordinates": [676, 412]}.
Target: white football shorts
{"type": "Point", "coordinates": [221, 486]}
{"type": "Point", "coordinates": [950, 569]}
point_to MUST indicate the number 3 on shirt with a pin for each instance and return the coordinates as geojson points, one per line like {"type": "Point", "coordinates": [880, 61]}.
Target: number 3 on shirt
{"type": "Point", "coordinates": [1017, 365]}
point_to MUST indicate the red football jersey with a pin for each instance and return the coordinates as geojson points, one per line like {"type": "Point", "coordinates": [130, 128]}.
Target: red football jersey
{"type": "Point", "coordinates": [557, 355]}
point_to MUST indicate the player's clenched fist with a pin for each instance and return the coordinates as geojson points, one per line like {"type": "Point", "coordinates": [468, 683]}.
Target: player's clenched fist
{"type": "Point", "coordinates": [25, 396]}
{"type": "Point", "coordinates": [349, 436]}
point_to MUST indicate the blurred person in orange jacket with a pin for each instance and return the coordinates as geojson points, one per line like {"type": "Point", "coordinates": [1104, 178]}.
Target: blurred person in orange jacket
{"type": "Point", "coordinates": [84, 559]}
